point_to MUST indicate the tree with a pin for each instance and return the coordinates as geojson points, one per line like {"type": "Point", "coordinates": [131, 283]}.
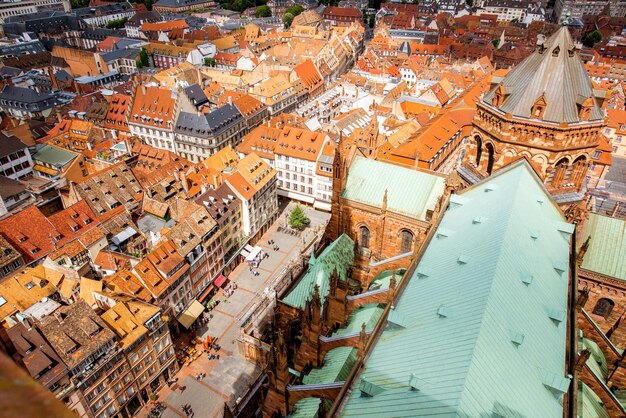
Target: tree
{"type": "Point", "coordinates": [372, 21]}
{"type": "Point", "coordinates": [470, 3]}
{"type": "Point", "coordinates": [144, 61]}
{"type": "Point", "coordinates": [294, 10]}
{"type": "Point", "coordinates": [263, 11]}
{"type": "Point", "coordinates": [117, 23]}
{"type": "Point", "coordinates": [416, 2]}
{"type": "Point", "coordinates": [287, 19]}
{"type": "Point", "coordinates": [210, 62]}
{"type": "Point", "coordinates": [495, 42]}
{"type": "Point", "coordinates": [298, 219]}
{"type": "Point", "coordinates": [592, 38]}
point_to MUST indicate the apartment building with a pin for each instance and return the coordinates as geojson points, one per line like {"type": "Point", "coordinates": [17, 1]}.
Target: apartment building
{"type": "Point", "coordinates": [24, 7]}
{"type": "Point", "coordinates": [143, 338]}
{"type": "Point", "coordinates": [297, 156]}
{"type": "Point", "coordinates": [99, 370]}
{"type": "Point", "coordinates": [277, 93]}
{"type": "Point", "coordinates": [198, 240]}
{"type": "Point", "coordinates": [199, 136]}
{"type": "Point", "coordinates": [225, 209]}
{"type": "Point", "coordinates": [15, 160]}
{"type": "Point", "coordinates": [153, 115]}
{"type": "Point", "coordinates": [165, 275]}
{"type": "Point", "coordinates": [255, 183]}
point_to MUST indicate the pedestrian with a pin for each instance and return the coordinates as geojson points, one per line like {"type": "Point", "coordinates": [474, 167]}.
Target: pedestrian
{"type": "Point", "coordinates": [181, 388]}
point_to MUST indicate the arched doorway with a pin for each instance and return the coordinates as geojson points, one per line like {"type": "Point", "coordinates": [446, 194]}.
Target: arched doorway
{"type": "Point", "coordinates": [490, 157]}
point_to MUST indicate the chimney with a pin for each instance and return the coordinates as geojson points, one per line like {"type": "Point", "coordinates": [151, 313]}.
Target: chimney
{"type": "Point", "coordinates": [59, 117]}
{"type": "Point", "coordinates": [176, 175]}
{"type": "Point", "coordinates": [183, 179]}
{"type": "Point", "coordinates": [143, 89]}
{"type": "Point", "coordinates": [230, 100]}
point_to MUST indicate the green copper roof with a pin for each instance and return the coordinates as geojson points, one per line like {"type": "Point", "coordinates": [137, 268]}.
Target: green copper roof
{"type": "Point", "coordinates": [338, 363]}
{"type": "Point", "coordinates": [409, 192]}
{"type": "Point", "coordinates": [306, 408]}
{"type": "Point", "coordinates": [53, 155]}
{"type": "Point", "coordinates": [469, 337]}
{"type": "Point", "coordinates": [337, 256]}
{"type": "Point", "coordinates": [607, 246]}
{"type": "Point", "coordinates": [367, 314]}
{"type": "Point", "coordinates": [589, 404]}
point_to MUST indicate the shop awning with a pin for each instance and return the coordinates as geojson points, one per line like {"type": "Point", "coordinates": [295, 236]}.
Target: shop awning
{"type": "Point", "coordinates": [244, 253]}
{"type": "Point", "coordinates": [255, 251]}
{"type": "Point", "coordinates": [206, 292]}
{"type": "Point", "coordinates": [191, 314]}
{"type": "Point", "coordinates": [220, 280]}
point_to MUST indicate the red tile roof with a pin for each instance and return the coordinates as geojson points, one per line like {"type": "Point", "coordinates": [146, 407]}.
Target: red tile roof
{"type": "Point", "coordinates": [153, 106]}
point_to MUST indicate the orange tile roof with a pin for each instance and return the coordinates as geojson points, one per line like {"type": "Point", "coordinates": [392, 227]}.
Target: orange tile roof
{"type": "Point", "coordinates": [238, 183]}
{"type": "Point", "coordinates": [309, 74]}
{"type": "Point", "coordinates": [35, 236]}
{"type": "Point", "coordinates": [165, 26]}
{"type": "Point", "coordinates": [247, 105]}
{"type": "Point", "coordinates": [107, 44]}
{"type": "Point", "coordinates": [161, 262]}
{"type": "Point", "coordinates": [153, 106]}
{"type": "Point", "coordinates": [289, 141]}
{"type": "Point", "coordinates": [126, 282]}
{"type": "Point", "coordinates": [118, 113]}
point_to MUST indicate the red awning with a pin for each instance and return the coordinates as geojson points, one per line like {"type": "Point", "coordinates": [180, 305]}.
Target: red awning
{"type": "Point", "coordinates": [220, 280]}
{"type": "Point", "coordinates": [206, 293]}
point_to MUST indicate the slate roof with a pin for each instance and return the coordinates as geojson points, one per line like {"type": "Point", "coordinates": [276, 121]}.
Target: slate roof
{"type": "Point", "coordinates": [128, 53]}
{"type": "Point", "coordinates": [337, 256]}
{"type": "Point", "coordinates": [607, 246]}
{"type": "Point", "coordinates": [196, 95]}
{"type": "Point", "coordinates": [558, 74]}
{"type": "Point", "coordinates": [409, 192]}
{"type": "Point", "coordinates": [213, 123]}
{"type": "Point", "coordinates": [16, 96]}
{"type": "Point", "coordinates": [10, 144]}
{"type": "Point", "coordinates": [473, 333]}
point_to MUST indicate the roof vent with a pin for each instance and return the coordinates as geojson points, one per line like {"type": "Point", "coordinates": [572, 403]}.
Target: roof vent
{"type": "Point", "coordinates": [423, 271]}
{"type": "Point", "coordinates": [566, 229]}
{"type": "Point", "coordinates": [416, 383]}
{"type": "Point", "coordinates": [560, 267]}
{"type": "Point", "coordinates": [443, 233]}
{"type": "Point", "coordinates": [463, 259]}
{"type": "Point", "coordinates": [443, 311]}
{"type": "Point", "coordinates": [556, 315]}
{"type": "Point", "coordinates": [369, 389]}
{"type": "Point", "coordinates": [557, 384]}
{"type": "Point", "coordinates": [534, 233]}
{"type": "Point", "coordinates": [517, 339]}
{"type": "Point", "coordinates": [527, 279]}
{"type": "Point", "coordinates": [490, 188]}
{"type": "Point", "coordinates": [478, 220]}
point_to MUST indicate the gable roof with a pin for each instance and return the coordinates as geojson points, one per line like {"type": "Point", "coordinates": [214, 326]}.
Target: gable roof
{"type": "Point", "coordinates": [607, 246]}
{"type": "Point", "coordinates": [476, 336]}
{"type": "Point", "coordinates": [409, 192]}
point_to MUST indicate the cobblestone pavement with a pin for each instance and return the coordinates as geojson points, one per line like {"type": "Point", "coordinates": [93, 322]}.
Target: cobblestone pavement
{"type": "Point", "coordinates": [231, 375]}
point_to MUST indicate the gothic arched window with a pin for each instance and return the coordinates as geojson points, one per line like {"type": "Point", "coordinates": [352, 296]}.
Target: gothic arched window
{"type": "Point", "coordinates": [603, 308]}
{"type": "Point", "coordinates": [364, 237]}
{"type": "Point", "coordinates": [406, 245]}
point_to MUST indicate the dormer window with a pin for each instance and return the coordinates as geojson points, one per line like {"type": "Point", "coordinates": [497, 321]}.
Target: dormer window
{"type": "Point", "coordinates": [585, 106]}
{"type": "Point", "coordinates": [555, 51]}
{"type": "Point", "coordinates": [539, 108]}
{"type": "Point", "coordinates": [499, 96]}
